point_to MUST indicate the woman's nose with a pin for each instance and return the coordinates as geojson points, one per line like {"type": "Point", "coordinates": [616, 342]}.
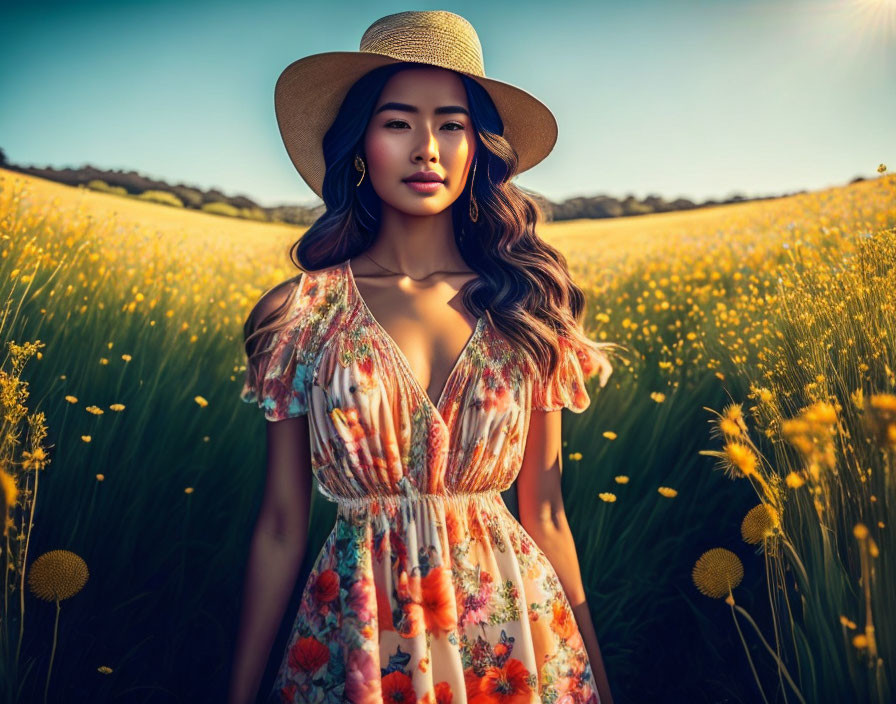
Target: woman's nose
{"type": "Point", "coordinates": [429, 146]}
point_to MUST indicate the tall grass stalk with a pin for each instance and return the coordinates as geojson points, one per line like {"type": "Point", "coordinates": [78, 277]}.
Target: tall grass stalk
{"type": "Point", "coordinates": [826, 407]}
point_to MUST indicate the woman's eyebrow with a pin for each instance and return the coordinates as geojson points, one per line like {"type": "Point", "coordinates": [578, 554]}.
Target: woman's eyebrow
{"type": "Point", "coordinates": [404, 107]}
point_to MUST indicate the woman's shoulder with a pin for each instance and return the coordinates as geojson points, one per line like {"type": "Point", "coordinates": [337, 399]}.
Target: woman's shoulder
{"type": "Point", "coordinates": [274, 299]}
{"type": "Point", "coordinates": [301, 307]}
{"type": "Point", "coordinates": [273, 303]}
{"type": "Point", "coordinates": [304, 292]}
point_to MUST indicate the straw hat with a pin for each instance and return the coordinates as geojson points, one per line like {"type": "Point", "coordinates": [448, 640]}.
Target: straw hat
{"type": "Point", "coordinates": [310, 90]}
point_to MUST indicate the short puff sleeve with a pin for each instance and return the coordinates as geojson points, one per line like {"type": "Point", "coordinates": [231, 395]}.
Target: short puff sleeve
{"type": "Point", "coordinates": [279, 384]}
{"type": "Point", "coordinates": [566, 387]}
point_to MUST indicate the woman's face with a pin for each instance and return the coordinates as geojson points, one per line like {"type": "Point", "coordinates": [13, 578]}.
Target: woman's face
{"type": "Point", "coordinates": [420, 123]}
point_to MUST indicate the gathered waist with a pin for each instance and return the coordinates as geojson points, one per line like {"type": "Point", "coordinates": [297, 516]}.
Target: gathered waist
{"type": "Point", "coordinates": [347, 504]}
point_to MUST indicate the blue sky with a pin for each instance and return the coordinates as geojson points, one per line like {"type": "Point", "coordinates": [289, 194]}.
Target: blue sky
{"type": "Point", "coordinates": [681, 98]}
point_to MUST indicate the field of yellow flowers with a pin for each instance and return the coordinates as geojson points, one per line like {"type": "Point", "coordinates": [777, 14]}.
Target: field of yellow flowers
{"type": "Point", "coordinates": [129, 498]}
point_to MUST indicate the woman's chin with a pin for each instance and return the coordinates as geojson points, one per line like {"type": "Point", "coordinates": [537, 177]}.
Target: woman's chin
{"type": "Point", "coordinates": [422, 207]}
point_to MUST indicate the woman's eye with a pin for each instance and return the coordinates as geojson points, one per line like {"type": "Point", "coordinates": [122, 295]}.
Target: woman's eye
{"type": "Point", "coordinates": [402, 122]}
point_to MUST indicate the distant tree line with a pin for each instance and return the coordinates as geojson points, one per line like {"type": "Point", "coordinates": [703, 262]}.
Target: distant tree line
{"type": "Point", "coordinates": [130, 183]}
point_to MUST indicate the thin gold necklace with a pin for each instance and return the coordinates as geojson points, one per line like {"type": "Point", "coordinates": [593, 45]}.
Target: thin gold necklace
{"type": "Point", "coordinates": [439, 271]}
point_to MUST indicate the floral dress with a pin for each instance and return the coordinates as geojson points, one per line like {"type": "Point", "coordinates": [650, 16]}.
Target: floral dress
{"type": "Point", "coordinates": [427, 589]}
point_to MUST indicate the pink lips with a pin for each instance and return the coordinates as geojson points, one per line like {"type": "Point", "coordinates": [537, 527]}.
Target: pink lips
{"type": "Point", "coordinates": [425, 176]}
{"type": "Point", "coordinates": [425, 186]}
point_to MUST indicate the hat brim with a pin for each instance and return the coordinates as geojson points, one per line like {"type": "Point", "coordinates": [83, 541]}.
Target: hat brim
{"type": "Point", "coordinates": [310, 91]}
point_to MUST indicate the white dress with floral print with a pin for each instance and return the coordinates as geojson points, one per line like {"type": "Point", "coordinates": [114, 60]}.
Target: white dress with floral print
{"type": "Point", "coordinates": [427, 589]}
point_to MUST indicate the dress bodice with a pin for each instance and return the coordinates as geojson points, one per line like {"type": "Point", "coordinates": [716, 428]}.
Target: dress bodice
{"type": "Point", "coordinates": [374, 431]}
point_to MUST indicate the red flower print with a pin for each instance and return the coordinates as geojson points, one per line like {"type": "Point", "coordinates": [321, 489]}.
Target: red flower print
{"type": "Point", "coordinates": [438, 600]}
{"type": "Point", "coordinates": [307, 655]}
{"type": "Point", "coordinates": [383, 610]}
{"type": "Point", "coordinates": [365, 366]}
{"type": "Point", "coordinates": [288, 693]}
{"type": "Point", "coordinates": [399, 549]}
{"type": "Point", "coordinates": [504, 685]}
{"type": "Point", "coordinates": [473, 685]}
{"type": "Point", "coordinates": [362, 681]}
{"type": "Point", "coordinates": [326, 587]}
{"type": "Point", "coordinates": [413, 619]}
{"type": "Point", "coordinates": [397, 688]}
{"type": "Point", "coordinates": [444, 695]}
{"type": "Point", "coordinates": [474, 525]}
{"type": "Point", "coordinates": [563, 623]}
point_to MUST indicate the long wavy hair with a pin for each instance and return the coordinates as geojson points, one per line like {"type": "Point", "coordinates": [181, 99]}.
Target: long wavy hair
{"type": "Point", "coordinates": [524, 286]}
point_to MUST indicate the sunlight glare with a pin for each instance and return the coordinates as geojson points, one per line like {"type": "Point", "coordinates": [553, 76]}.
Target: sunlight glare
{"type": "Point", "coordinates": [875, 17]}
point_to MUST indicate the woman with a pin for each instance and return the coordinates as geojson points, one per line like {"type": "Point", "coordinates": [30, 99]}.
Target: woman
{"type": "Point", "coordinates": [416, 368]}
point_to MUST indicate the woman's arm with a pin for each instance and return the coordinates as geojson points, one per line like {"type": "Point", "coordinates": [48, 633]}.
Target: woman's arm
{"type": "Point", "coordinates": [275, 558]}
{"type": "Point", "coordinates": [542, 515]}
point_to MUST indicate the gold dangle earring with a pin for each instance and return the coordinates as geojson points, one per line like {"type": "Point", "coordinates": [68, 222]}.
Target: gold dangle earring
{"type": "Point", "coordinates": [474, 209]}
{"type": "Point", "coordinates": [360, 166]}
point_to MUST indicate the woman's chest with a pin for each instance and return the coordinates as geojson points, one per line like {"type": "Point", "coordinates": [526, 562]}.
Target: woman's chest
{"type": "Point", "coordinates": [427, 325]}
{"type": "Point", "coordinates": [365, 399]}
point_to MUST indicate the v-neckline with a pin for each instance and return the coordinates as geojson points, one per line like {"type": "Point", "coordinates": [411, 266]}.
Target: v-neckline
{"type": "Point", "coordinates": [402, 358]}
